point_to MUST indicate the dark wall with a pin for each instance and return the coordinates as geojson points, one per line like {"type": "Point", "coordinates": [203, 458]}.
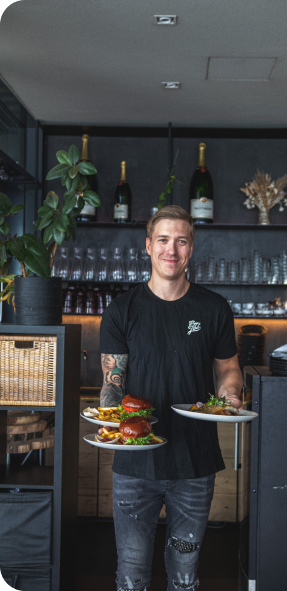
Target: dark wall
{"type": "Point", "coordinates": [231, 161]}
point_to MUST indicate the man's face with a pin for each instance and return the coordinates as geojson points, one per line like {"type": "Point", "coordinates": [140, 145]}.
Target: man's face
{"type": "Point", "coordinates": [170, 248]}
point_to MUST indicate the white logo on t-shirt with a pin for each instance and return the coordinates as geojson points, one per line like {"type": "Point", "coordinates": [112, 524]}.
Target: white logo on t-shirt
{"type": "Point", "coordinates": [193, 326]}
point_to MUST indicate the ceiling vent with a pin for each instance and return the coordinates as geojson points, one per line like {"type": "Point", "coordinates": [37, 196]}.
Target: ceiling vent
{"type": "Point", "coordinates": [165, 19]}
{"type": "Point", "coordinates": [171, 85]}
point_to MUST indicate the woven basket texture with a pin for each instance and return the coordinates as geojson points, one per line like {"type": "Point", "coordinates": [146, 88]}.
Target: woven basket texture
{"type": "Point", "coordinates": [28, 375]}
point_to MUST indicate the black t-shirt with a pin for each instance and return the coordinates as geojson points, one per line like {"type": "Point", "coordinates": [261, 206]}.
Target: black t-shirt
{"type": "Point", "coordinates": [171, 346]}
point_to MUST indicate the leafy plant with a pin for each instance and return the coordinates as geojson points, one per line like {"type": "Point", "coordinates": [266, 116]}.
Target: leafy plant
{"type": "Point", "coordinates": [167, 189]}
{"type": "Point", "coordinates": [57, 220]}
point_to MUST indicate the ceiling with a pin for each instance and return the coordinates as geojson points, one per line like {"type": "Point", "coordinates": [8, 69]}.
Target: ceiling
{"type": "Point", "coordinates": [103, 62]}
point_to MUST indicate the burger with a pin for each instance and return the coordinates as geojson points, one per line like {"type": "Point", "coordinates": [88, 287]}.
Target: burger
{"type": "Point", "coordinates": [135, 406]}
{"type": "Point", "coordinates": [136, 431]}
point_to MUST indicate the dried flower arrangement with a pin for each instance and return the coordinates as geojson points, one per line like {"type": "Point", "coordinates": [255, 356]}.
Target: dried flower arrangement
{"type": "Point", "coordinates": [264, 194]}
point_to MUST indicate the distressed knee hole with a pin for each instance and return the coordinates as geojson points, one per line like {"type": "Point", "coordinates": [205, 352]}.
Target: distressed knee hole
{"type": "Point", "coordinates": [181, 585]}
{"type": "Point", "coordinates": [182, 546]}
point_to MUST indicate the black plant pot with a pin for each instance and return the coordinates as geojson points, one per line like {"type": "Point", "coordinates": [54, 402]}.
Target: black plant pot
{"type": "Point", "coordinates": [38, 301]}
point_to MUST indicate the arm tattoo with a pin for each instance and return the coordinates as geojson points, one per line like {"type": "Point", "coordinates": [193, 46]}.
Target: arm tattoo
{"type": "Point", "coordinates": [114, 384]}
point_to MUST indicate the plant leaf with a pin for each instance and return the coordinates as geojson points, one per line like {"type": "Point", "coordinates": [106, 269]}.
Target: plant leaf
{"type": "Point", "coordinates": [63, 157]}
{"type": "Point", "coordinates": [5, 204]}
{"type": "Point", "coordinates": [52, 200]}
{"type": "Point", "coordinates": [48, 234]}
{"type": "Point", "coordinates": [37, 224]}
{"type": "Point", "coordinates": [35, 245]}
{"type": "Point", "coordinates": [73, 171]}
{"type": "Point", "coordinates": [2, 220]}
{"type": "Point", "coordinates": [81, 204]}
{"type": "Point", "coordinates": [43, 210]}
{"type": "Point", "coordinates": [58, 171]}
{"type": "Point", "coordinates": [73, 234]}
{"type": "Point", "coordinates": [59, 237]}
{"type": "Point", "coordinates": [84, 182]}
{"type": "Point", "coordinates": [16, 208]}
{"type": "Point", "coordinates": [17, 247]}
{"type": "Point", "coordinates": [162, 196]}
{"type": "Point", "coordinates": [3, 256]}
{"type": "Point", "coordinates": [69, 183]}
{"type": "Point", "coordinates": [46, 220]}
{"type": "Point", "coordinates": [73, 154]}
{"type": "Point", "coordinates": [168, 189]}
{"type": "Point", "coordinates": [37, 264]}
{"type": "Point", "coordinates": [6, 265]}
{"type": "Point", "coordinates": [69, 204]}
{"type": "Point", "coordinates": [73, 222]}
{"type": "Point", "coordinates": [92, 198]}
{"type": "Point", "coordinates": [61, 222]}
{"type": "Point", "coordinates": [64, 180]}
{"type": "Point", "coordinates": [87, 168]}
{"type": "Point", "coordinates": [5, 228]}
{"type": "Point", "coordinates": [75, 182]}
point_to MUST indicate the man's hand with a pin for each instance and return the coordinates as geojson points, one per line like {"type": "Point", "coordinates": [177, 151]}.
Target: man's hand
{"type": "Point", "coordinates": [232, 399]}
{"type": "Point", "coordinates": [229, 380]}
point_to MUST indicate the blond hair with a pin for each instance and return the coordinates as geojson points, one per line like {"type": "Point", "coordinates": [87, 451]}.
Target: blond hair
{"type": "Point", "coordinates": [170, 212]}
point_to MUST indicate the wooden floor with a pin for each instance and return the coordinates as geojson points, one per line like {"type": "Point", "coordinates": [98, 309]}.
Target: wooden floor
{"type": "Point", "coordinates": [97, 558]}
{"type": "Point", "coordinates": [107, 583]}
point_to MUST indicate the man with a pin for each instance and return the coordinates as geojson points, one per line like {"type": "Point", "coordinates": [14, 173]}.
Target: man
{"type": "Point", "coordinates": [161, 341]}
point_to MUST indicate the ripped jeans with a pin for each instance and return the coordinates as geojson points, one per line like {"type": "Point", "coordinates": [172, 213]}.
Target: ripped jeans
{"type": "Point", "coordinates": [137, 504]}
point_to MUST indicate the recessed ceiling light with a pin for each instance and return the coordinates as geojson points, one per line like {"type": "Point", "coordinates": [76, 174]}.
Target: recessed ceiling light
{"type": "Point", "coordinates": [171, 85]}
{"type": "Point", "coordinates": [165, 19]}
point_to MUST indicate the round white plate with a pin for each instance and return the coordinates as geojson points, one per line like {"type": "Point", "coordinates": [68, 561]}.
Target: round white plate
{"type": "Point", "coordinates": [244, 415]}
{"type": "Point", "coordinates": [152, 420]}
{"type": "Point", "coordinates": [91, 439]}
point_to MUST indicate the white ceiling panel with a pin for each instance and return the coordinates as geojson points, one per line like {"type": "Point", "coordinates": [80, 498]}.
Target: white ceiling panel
{"type": "Point", "coordinates": [103, 62]}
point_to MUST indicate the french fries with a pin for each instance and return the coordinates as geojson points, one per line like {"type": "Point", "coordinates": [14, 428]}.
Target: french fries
{"type": "Point", "coordinates": [109, 413]}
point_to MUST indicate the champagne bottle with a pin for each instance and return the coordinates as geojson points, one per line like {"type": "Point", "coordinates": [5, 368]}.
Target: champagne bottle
{"type": "Point", "coordinates": [201, 192]}
{"type": "Point", "coordinates": [89, 212]}
{"type": "Point", "coordinates": [123, 197]}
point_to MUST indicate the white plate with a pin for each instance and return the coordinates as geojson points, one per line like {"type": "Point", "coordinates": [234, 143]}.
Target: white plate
{"type": "Point", "coordinates": [152, 420]}
{"type": "Point", "coordinates": [91, 439]}
{"type": "Point", "coordinates": [244, 415]}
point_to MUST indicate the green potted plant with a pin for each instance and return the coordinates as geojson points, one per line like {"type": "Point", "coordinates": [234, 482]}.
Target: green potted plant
{"type": "Point", "coordinates": [38, 299]}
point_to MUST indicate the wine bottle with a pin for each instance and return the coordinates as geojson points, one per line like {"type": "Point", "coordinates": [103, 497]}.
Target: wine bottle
{"type": "Point", "coordinates": [123, 197]}
{"type": "Point", "coordinates": [89, 212]}
{"type": "Point", "coordinates": [201, 192]}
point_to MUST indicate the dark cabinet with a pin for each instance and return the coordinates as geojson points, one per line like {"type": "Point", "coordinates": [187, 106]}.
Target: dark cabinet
{"type": "Point", "coordinates": [38, 504]}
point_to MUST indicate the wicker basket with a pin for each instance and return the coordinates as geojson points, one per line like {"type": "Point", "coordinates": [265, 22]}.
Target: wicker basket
{"type": "Point", "coordinates": [28, 370]}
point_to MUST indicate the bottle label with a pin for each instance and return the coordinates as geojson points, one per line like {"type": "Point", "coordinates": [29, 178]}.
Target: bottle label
{"type": "Point", "coordinates": [88, 209]}
{"type": "Point", "coordinates": [201, 208]}
{"type": "Point", "coordinates": [121, 211]}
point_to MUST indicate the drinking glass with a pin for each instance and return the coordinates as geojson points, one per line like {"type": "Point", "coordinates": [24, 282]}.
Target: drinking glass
{"type": "Point", "coordinates": [77, 264]}
{"type": "Point", "coordinates": [117, 270]}
{"type": "Point", "coordinates": [221, 271]}
{"type": "Point", "coordinates": [199, 273]}
{"type": "Point", "coordinates": [90, 265]}
{"type": "Point", "coordinates": [233, 272]}
{"type": "Point", "coordinates": [265, 278]}
{"type": "Point", "coordinates": [210, 270]}
{"type": "Point", "coordinates": [63, 268]}
{"type": "Point", "coordinates": [283, 260]}
{"type": "Point", "coordinates": [244, 271]}
{"type": "Point", "coordinates": [132, 267]}
{"type": "Point", "coordinates": [275, 270]}
{"type": "Point", "coordinates": [102, 272]}
{"type": "Point", "coordinates": [256, 267]}
{"type": "Point", "coordinates": [145, 270]}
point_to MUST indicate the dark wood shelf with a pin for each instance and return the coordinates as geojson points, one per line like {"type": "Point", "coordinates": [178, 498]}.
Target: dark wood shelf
{"type": "Point", "coordinates": [111, 225]}
{"type": "Point", "coordinates": [39, 477]}
{"type": "Point", "coordinates": [24, 407]}
{"type": "Point", "coordinates": [217, 226]}
{"type": "Point", "coordinates": [262, 317]}
{"type": "Point", "coordinates": [240, 284]}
